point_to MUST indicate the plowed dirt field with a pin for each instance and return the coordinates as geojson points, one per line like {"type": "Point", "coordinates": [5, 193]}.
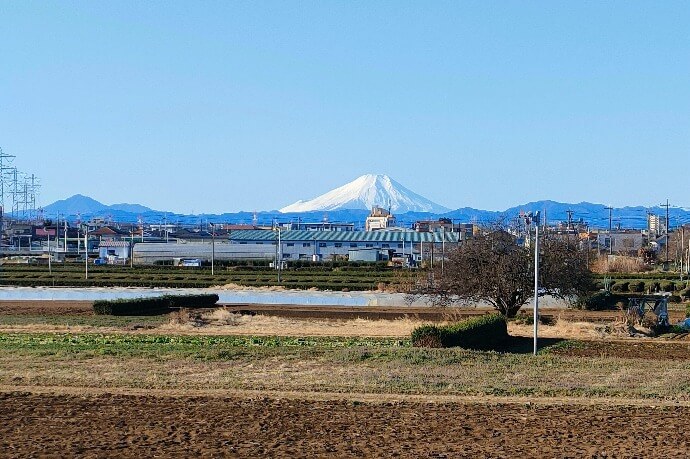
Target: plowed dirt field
{"type": "Point", "coordinates": [36, 425]}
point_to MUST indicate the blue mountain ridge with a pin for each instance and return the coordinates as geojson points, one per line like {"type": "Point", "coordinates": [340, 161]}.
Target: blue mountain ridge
{"type": "Point", "coordinates": [596, 215]}
{"type": "Point", "coordinates": [84, 205]}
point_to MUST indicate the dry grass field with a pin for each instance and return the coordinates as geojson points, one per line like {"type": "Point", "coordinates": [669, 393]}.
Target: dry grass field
{"type": "Point", "coordinates": [218, 383]}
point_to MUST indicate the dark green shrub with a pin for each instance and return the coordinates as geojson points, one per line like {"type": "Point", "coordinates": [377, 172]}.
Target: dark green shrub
{"type": "Point", "coordinates": [483, 332]}
{"type": "Point", "coordinates": [600, 301]}
{"type": "Point", "coordinates": [132, 306]}
{"type": "Point", "coordinates": [620, 286]}
{"type": "Point", "coordinates": [668, 286]}
{"type": "Point", "coordinates": [674, 299]}
{"type": "Point", "coordinates": [427, 336]}
{"type": "Point", "coordinates": [637, 287]}
{"type": "Point", "coordinates": [152, 306]}
{"type": "Point", "coordinates": [205, 300]}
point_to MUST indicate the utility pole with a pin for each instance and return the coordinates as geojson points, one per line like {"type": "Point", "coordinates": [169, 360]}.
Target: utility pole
{"type": "Point", "coordinates": [86, 252]}
{"type": "Point", "coordinates": [610, 209]}
{"type": "Point", "coordinates": [570, 224]}
{"type": "Point", "coordinates": [50, 265]}
{"type": "Point", "coordinates": [213, 247]}
{"type": "Point", "coordinates": [682, 248]}
{"type": "Point", "coordinates": [280, 255]}
{"type": "Point", "coordinates": [529, 219]}
{"type": "Point", "coordinates": [166, 227]}
{"type": "Point", "coordinates": [443, 249]}
{"type": "Point", "coordinates": [536, 281]}
{"type": "Point", "coordinates": [667, 205]}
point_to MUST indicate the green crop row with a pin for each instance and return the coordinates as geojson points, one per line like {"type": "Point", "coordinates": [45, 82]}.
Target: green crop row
{"type": "Point", "coordinates": [99, 340]}
{"type": "Point", "coordinates": [57, 282]}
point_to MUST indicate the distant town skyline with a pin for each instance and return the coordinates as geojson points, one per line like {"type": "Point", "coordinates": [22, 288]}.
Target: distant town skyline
{"type": "Point", "coordinates": [221, 107]}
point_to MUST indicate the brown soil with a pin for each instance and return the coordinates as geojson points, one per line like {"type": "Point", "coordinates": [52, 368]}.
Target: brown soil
{"type": "Point", "coordinates": [47, 308]}
{"type": "Point", "coordinates": [629, 348]}
{"type": "Point", "coordinates": [148, 426]}
{"type": "Point", "coordinates": [328, 312]}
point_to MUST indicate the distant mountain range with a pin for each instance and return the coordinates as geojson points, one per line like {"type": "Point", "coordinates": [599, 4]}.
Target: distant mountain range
{"type": "Point", "coordinates": [351, 203]}
{"type": "Point", "coordinates": [80, 204]}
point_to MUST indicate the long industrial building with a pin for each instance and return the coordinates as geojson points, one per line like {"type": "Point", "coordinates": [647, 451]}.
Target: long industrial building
{"type": "Point", "coordinates": [305, 245]}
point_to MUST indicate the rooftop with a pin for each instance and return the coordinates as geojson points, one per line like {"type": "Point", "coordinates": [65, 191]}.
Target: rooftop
{"type": "Point", "coordinates": [342, 236]}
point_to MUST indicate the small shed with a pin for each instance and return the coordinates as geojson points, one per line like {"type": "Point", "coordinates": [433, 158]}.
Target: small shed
{"type": "Point", "coordinates": [372, 255]}
{"type": "Point", "coordinates": [113, 251]}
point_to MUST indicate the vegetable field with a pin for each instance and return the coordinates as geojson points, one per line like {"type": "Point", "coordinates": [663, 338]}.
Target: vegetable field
{"type": "Point", "coordinates": [322, 277]}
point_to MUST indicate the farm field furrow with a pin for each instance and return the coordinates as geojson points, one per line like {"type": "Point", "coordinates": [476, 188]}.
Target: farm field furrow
{"type": "Point", "coordinates": [214, 382]}
{"type": "Point", "coordinates": [115, 425]}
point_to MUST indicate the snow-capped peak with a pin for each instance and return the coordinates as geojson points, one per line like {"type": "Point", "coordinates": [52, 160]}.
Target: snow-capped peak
{"type": "Point", "coordinates": [365, 192]}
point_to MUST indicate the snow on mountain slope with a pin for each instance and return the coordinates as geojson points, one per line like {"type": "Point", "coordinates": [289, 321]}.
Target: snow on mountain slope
{"type": "Point", "coordinates": [367, 191]}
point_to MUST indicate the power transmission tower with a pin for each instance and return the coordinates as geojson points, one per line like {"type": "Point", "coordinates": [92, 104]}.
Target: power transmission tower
{"type": "Point", "coordinates": [32, 191]}
{"type": "Point", "coordinates": [5, 175]}
{"type": "Point", "coordinates": [17, 192]}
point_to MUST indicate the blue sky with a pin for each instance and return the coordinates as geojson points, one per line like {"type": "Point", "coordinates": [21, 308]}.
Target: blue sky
{"type": "Point", "coordinates": [227, 106]}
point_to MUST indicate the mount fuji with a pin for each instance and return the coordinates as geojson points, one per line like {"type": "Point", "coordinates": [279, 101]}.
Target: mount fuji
{"type": "Point", "coordinates": [365, 192]}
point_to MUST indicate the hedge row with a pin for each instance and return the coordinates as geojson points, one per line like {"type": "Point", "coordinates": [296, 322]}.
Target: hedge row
{"type": "Point", "coordinates": [639, 286]}
{"type": "Point", "coordinates": [152, 306]}
{"type": "Point", "coordinates": [192, 301]}
{"type": "Point", "coordinates": [601, 301]}
{"type": "Point", "coordinates": [357, 267]}
{"type": "Point", "coordinates": [644, 276]}
{"type": "Point", "coordinates": [207, 279]}
{"type": "Point", "coordinates": [483, 332]}
{"type": "Point", "coordinates": [604, 300]}
{"type": "Point", "coordinates": [58, 282]}
{"type": "Point", "coordinates": [132, 306]}
{"type": "Point", "coordinates": [297, 275]}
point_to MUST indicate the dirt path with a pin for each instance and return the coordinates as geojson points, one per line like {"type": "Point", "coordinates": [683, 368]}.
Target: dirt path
{"type": "Point", "coordinates": [118, 425]}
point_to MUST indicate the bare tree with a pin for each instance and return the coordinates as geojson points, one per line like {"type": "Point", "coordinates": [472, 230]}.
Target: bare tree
{"type": "Point", "coordinates": [492, 267]}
